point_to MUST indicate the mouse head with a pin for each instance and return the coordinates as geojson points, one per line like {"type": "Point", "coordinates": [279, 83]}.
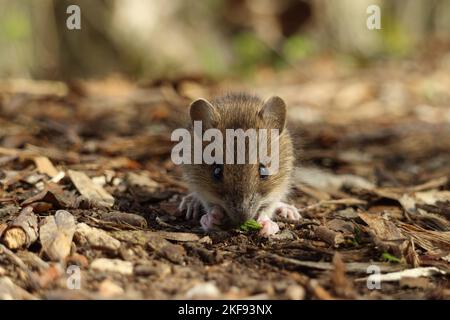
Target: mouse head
{"type": "Point", "coordinates": [243, 190]}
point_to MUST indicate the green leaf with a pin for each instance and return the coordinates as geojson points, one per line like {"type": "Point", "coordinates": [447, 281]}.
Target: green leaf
{"type": "Point", "coordinates": [389, 257]}
{"type": "Point", "coordinates": [250, 225]}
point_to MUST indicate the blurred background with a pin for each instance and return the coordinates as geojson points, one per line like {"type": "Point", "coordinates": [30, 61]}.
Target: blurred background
{"type": "Point", "coordinates": [217, 38]}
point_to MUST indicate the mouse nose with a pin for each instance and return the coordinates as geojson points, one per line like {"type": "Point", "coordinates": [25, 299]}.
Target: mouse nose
{"type": "Point", "coordinates": [241, 214]}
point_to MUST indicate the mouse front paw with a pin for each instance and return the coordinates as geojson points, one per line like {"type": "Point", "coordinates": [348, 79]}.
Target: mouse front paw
{"type": "Point", "coordinates": [269, 227]}
{"type": "Point", "coordinates": [212, 220]}
{"type": "Point", "coordinates": [287, 211]}
{"type": "Point", "coordinates": [192, 205]}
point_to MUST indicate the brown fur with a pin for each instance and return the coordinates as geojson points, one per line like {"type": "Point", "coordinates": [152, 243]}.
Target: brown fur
{"type": "Point", "coordinates": [241, 193]}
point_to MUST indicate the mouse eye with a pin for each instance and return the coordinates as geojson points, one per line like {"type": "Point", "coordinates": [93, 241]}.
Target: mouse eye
{"type": "Point", "coordinates": [263, 172]}
{"type": "Point", "coordinates": [217, 171]}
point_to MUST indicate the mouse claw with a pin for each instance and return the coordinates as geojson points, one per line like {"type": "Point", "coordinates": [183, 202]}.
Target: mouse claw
{"type": "Point", "coordinates": [269, 227]}
{"type": "Point", "coordinates": [212, 219]}
{"type": "Point", "coordinates": [287, 211]}
{"type": "Point", "coordinates": [192, 205]}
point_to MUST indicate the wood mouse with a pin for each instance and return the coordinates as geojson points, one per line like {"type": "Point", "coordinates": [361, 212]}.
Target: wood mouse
{"type": "Point", "coordinates": [229, 194]}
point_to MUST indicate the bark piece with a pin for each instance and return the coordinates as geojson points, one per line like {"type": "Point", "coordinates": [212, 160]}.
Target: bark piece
{"type": "Point", "coordinates": [329, 236]}
{"type": "Point", "coordinates": [56, 234]}
{"type": "Point", "coordinates": [172, 252]}
{"type": "Point", "coordinates": [90, 190]}
{"type": "Point", "coordinates": [125, 218]}
{"type": "Point", "coordinates": [22, 231]}
{"type": "Point", "coordinates": [96, 238]}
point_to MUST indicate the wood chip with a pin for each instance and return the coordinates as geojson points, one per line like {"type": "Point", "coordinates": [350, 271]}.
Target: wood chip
{"type": "Point", "coordinates": [56, 233]}
{"type": "Point", "coordinates": [22, 231]}
{"type": "Point", "coordinates": [409, 273]}
{"type": "Point", "coordinates": [178, 236]}
{"type": "Point", "coordinates": [44, 165]}
{"type": "Point", "coordinates": [90, 190]}
{"type": "Point", "coordinates": [96, 238]}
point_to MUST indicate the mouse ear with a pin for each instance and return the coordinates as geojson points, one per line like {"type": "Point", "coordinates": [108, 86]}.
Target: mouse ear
{"type": "Point", "coordinates": [274, 111]}
{"type": "Point", "coordinates": [202, 110]}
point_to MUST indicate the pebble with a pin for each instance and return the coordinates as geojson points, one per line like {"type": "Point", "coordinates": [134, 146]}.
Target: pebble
{"type": "Point", "coordinates": [207, 290]}
{"type": "Point", "coordinates": [110, 289]}
{"type": "Point", "coordinates": [295, 292]}
{"type": "Point", "coordinates": [112, 265]}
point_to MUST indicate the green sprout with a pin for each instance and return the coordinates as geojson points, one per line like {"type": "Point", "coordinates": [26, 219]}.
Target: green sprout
{"type": "Point", "coordinates": [250, 225]}
{"type": "Point", "coordinates": [389, 257]}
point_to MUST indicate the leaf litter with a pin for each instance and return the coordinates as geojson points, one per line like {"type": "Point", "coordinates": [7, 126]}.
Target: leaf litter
{"type": "Point", "coordinates": [101, 194]}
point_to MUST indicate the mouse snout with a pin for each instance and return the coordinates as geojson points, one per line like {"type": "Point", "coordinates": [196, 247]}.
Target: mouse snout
{"type": "Point", "coordinates": [240, 212]}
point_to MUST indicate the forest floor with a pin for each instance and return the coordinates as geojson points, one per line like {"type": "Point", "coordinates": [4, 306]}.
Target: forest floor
{"type": "Point", "coordinates": [86, 180]}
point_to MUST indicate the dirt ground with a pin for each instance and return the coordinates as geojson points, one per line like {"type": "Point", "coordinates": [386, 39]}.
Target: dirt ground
{"type": "Point", "coordinates": [372, 185]}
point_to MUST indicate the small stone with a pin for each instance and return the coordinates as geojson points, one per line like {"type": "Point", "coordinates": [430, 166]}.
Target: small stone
{"type": "Point", "coordinates": [207, 290]}
{"type": "Point", "coordinates": [112, 265]}
{"type": "Point", "coordinates": [110, 289]}
{"type": "Point", "coordinates": [295, 292]}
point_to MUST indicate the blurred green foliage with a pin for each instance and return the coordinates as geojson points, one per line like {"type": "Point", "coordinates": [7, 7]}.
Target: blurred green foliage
{"type": "Point", "coordinates": [250, 52]}
{"type": "Point", "coordinates": [216, 37]}
{"type": "Point", "coordinates": [298, 47]}
{"type": "Point", "coordinates": [15, 26]}
{"type": "Point", "coordinates": [396, 41]}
